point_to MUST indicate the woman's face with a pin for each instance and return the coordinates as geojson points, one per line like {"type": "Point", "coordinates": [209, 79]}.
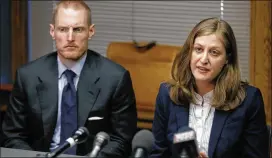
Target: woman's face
{"type": "Point", "coordinates": [208, 58]}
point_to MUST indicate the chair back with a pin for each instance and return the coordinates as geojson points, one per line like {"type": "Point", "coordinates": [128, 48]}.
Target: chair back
{"type": "Point", "coordinates": [149, 65]}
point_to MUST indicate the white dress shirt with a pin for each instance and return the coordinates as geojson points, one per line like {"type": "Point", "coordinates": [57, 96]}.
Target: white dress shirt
{"type": "Point", "coordinates": [201, 119]}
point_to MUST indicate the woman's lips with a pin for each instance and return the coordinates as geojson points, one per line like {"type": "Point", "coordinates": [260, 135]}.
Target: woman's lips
{"type": "Point", "coordinates": [202, 69]}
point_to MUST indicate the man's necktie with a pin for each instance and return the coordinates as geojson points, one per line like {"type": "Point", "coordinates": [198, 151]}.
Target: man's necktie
{"type": "Point", "coordinates": [68, 111]}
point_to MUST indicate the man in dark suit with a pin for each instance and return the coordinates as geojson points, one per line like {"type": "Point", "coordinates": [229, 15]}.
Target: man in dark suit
{"type": "Point", "coordinates": [72, 87]}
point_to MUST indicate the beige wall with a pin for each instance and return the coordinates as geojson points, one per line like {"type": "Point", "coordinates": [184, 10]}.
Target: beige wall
{"type": "Point", "coordinates": [40, 18]}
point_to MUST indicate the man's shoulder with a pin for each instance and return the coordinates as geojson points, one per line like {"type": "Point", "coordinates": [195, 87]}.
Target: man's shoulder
{"type": "Point", "coordinates": [108, 65]}
{"type": "Point", "coordinates": [39, 63]}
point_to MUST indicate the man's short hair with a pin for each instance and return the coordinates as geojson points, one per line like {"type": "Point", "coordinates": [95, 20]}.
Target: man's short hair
{"type": "Point", "coordinates": [76, 5]}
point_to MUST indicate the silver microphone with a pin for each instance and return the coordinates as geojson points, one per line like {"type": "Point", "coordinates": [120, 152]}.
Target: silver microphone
{"type": "Point", "coordinates": [101, 139]}
{"type": "Point", "coordinates": [142, 144]}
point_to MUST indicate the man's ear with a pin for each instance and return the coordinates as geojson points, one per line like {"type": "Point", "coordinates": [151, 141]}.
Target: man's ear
{"type": "Point", "coordinates": [91, 31]}
{"type": "Point", "coordinates": [52, 31]}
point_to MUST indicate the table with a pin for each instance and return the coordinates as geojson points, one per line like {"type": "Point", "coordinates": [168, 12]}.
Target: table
{"type": "Point", "coordinates": [8, 152]}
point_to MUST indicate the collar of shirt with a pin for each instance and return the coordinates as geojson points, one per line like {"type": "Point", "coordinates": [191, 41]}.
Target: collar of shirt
{"type": "Point", "coordinates": [206, 97]}
{"type": "Point", "coordinates": [76, 68]}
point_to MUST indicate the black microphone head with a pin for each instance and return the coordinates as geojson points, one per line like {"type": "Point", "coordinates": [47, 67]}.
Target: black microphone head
{"type": "Point", "coordinates": [101, 139]}
{"type": "Point", "coordinates": [81, 135]}
{"type": "Point", "coordinates": [143, 139]}
{"type": "Point", "coordinates": [184, 143]}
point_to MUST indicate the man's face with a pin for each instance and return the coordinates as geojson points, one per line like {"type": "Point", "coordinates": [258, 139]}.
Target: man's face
{"type": "Point", "coordinates": [71, 32]}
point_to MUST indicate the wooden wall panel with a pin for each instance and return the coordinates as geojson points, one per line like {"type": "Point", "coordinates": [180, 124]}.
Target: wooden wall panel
{"type": "Point", "coordinates": [260, 55]}
{"type": "Point", "coordinates": [18, 34]}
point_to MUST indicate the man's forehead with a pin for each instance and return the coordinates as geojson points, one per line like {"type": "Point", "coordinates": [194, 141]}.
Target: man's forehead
{"type": "Point", "coordinates": [69, 10]}
{"type": "Point", "coordinates": [70, 17]}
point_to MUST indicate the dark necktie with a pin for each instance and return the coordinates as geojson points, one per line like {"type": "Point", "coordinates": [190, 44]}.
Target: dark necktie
{"type": "Point", "coordinates": [68, 111]}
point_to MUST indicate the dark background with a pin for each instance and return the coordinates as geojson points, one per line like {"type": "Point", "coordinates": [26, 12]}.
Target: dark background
{"type": "Point", "coordinates": [5, 42]}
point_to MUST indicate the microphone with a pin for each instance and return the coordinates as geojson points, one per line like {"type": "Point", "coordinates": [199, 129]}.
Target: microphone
{"type": "Point", "coordinates": [142, 143]}
{"type": "Point", "coordinates": [101, 139]}
{"type": "Point", "coordinates": [184, 143]}
{"type": "Point", "coordinates": [80, 136]}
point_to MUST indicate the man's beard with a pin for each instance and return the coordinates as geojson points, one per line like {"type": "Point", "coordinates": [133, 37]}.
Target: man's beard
{"type": "Point", "coordinates": [74, 56]}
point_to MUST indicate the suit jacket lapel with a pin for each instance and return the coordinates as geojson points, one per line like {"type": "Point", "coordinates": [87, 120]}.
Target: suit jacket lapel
{"type": "Point", "coordinates": [87, 87]}
{"type": "Point", "coordinates": [182, 116]}
{"type": "Point", "coordinates": [219, 119]}
{"type": "Point", "coordinates": [47, 92]}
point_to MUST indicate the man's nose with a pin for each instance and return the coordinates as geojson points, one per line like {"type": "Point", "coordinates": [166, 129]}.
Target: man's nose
{"type": "Point", "coordinates": [70, 35]}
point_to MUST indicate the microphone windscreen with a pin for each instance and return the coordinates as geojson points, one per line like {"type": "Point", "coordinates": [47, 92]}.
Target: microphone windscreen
{"type": "Point", "coordinates": [101, 138]}
{"type": "Point", "coordinates": [81, 135]}
{"type": "Point", "coordinates": [143, 139]}
{"type": "Point", "coordinates": [83, 130]}
{"type": "Point", "coordinates": [103, 135]}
